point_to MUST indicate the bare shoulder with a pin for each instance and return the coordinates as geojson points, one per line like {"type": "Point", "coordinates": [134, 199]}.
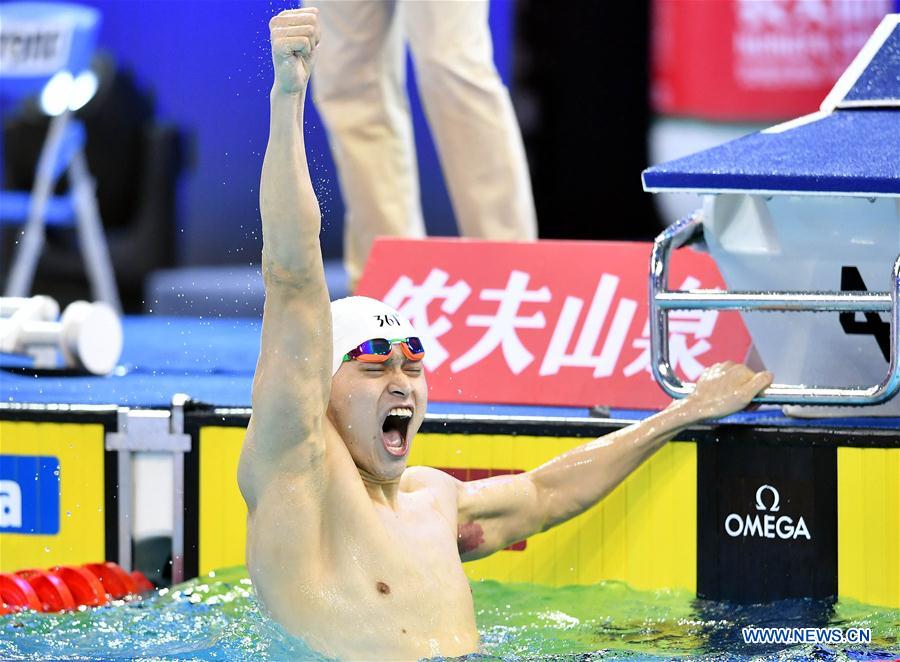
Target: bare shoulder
{"type": "Point", "coordinates": [442, 485]}
{"type": "Point", "coordinates": [440, 489]}
{"type": "Point", "coordinates": [419, 477]}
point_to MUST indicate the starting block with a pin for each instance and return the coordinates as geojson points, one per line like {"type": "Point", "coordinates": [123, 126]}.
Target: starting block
{"type": "Point", "coordinates": [803, 217]}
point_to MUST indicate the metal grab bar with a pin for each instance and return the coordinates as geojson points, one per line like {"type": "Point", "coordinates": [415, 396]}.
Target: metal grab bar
{"type": "Point", "coordinates": [776, 302]}
{"type": "Point", "coordinates": [662, 300]}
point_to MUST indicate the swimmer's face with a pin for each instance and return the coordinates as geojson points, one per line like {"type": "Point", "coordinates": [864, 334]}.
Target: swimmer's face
{"type": "Point", "coordinates": [377, 408]}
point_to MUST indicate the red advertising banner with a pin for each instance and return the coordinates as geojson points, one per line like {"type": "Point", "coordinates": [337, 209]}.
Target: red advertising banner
{"type": "Point", "coordinates": [751, 60]}
{"type": "Point", "coordinates": [546, 323]}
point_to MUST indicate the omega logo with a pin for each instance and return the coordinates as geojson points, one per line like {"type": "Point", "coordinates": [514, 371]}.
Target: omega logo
{"type": "Point", "coordinates": [759, 502]}
{"type": "Point", "coordinates": [766, 526]}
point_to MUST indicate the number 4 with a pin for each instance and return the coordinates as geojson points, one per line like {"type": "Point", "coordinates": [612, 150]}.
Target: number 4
{"type": "Point", "coordinates": [851, 280]}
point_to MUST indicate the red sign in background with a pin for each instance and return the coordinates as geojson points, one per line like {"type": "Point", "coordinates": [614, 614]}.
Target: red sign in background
{"type": "Point", "coordinates": [751, 60]}
{"type": "Point", "coordinates": [546, 323]}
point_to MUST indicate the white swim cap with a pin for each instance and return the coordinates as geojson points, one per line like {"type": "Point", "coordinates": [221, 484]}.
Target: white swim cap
{"type": "Point", "coordinates": [355, 320]}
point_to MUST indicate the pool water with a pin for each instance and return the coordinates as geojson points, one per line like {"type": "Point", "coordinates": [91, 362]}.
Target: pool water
{"type": "Point", "coordinates": [217, 618]}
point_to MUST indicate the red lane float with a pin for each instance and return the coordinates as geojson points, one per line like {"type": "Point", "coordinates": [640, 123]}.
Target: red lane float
{"type": "Point", "coordinates": [52, 591]}
{"type": "Point", "coordinates": [16, 593]}
{"type": "Point", "coordinates": [68, 587]}
{"type": "Point", "coordinates": [116, 582]}
{"type": "Point", "coordinates": [86, 588]}
{"type": "Point", "coordinates": [141, 582]}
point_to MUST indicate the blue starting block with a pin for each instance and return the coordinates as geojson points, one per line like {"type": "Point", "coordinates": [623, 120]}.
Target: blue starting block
{"type": "Point", "coordinates": [804, 217]}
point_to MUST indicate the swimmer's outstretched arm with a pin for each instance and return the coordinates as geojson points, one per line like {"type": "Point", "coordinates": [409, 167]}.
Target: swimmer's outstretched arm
{"type": "Point", "coordinates": [293, 374]}
{"type": "Point", "coordinates": [496, 512]}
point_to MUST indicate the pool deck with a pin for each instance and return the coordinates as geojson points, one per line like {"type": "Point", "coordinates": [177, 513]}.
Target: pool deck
{"type": "Point", "coordinates": [212, 361]}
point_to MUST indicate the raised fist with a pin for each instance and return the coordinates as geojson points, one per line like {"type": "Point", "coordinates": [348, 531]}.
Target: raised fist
{"type": "Point", "coordinates": [294, 34]}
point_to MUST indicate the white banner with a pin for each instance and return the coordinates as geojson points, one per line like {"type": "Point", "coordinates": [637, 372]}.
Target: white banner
{"type": "Point", "coordinates": [33, 48]}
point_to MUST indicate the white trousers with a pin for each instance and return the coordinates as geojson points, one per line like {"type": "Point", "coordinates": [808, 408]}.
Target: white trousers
{"type": "Point", "coordinates": [359, 87]}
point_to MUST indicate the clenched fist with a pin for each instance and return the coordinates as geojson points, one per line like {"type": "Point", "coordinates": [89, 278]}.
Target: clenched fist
{"type": "Point", "coordinates": [725, 388]}
{"type": "Point", "coordinates": [294, 34]}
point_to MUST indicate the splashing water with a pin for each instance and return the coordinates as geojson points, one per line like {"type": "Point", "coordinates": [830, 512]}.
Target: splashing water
{"type": "Point", "coordinates": [218, 618]}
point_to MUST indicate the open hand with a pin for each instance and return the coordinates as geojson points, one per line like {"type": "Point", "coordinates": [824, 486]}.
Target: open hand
{"type": "Point", "coordinates": [725, 388]}
{"type": "Point", "coordinates": [294, 34]}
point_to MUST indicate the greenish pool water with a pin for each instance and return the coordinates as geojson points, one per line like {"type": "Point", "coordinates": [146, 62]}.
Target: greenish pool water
{"type": "Point", "coordinates": [217, 618]}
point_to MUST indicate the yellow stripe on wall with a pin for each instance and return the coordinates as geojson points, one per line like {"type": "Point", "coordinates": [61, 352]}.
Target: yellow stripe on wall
{"type": "Point", "coordinates": [223, 513]}
{"type": "Point", "coordinates": [869, 525]}
{"type": "Point", "coordinates": [82, 529]}
{"type": "Point", "coordinates": [644, 532]}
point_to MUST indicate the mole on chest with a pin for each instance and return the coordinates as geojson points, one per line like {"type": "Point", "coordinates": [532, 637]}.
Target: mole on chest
{"type": "Point", "coordinates": [382, 588]}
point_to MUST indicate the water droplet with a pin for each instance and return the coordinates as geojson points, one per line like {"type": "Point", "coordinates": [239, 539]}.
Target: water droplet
{"type": "Point", "coordinates": [68, 513]}
{"type": "Point", "coordinates": [46, 549]}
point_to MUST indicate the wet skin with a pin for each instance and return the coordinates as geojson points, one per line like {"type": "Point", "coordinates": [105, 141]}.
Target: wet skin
{"type": "Point", "coordinates": [349, 548]}
{"type": "Point", "coordinates": [373, 567]}
{"type": "Point", "coordinates": [361, 556]}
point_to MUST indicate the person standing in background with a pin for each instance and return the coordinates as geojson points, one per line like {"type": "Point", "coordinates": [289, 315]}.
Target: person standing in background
{"type": "Point", "coordinates": [360, 91]}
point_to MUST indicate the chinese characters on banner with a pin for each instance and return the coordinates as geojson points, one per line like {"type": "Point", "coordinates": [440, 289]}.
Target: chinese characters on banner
{"type": "Point", "coordinates": [549, 323]}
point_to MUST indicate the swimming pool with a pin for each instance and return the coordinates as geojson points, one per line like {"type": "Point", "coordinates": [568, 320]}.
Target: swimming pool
{"type": "Point", "coordinates": [217, 618]}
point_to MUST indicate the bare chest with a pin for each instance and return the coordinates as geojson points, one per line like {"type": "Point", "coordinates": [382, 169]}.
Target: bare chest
{"type": "Point", "coordinates": [411, 550]}
{"type": "Point", "coordinates": [389, 576]}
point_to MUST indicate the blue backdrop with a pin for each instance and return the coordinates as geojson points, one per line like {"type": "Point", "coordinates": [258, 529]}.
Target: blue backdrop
{"type": "Point", "coordinates": [208, 65]}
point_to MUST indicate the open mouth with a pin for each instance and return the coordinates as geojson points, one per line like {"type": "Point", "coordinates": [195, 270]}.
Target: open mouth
{"type": "Point", "coordinates": [393, 431]}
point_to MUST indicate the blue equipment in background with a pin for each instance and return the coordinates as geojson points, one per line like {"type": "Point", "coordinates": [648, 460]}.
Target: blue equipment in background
{"type": "Point", "coordinates": [46, 48]}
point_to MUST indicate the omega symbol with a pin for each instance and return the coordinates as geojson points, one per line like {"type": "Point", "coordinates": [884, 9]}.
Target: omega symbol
{"type": "Point", "coordinates": [759, 502]}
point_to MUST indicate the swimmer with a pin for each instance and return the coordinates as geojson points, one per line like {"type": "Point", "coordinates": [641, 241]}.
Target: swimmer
{"type": "Point", "coordinates": [348, 548]}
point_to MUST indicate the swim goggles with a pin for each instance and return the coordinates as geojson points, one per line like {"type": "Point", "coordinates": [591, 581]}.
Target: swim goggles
{"type": "Point", "coordinates": [378, 350]}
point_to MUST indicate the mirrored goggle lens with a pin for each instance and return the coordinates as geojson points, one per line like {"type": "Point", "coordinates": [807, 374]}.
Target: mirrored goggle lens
{"type": "Point", "coordinates": [414, 345]}
{"type": "Point", "coordinates": [376, 346]}
{"type": "Point", "coordinates": [379, 349]}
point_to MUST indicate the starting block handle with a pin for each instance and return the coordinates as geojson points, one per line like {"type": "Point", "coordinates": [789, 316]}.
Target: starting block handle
{"type": "Point", "coordinates": [662, 300]}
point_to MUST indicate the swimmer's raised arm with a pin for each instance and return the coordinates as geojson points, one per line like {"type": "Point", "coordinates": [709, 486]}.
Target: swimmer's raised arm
{"type": "Point", "coordinates": [498, 511]}
{"type": "Point", "coordinates": [293, 374]}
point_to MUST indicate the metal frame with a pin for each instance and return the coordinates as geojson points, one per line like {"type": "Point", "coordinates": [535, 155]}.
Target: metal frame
{"type": "Point", "coordinates": [89, 226]}
{"type": "Point", "coordinates": [662, 300]}
{"type": "Point", "coordinates": [151, 430]}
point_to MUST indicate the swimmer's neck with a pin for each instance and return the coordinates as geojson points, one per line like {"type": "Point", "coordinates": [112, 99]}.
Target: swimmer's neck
{"type": "Point", "coordinates": [383, 491]}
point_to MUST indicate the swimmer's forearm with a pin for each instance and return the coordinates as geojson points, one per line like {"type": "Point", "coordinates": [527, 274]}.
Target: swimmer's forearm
{"type": "Point", "coordinates": [496, 511]}
{"type": "Point", "coordinates": [574, 481]}
{"type": "Point", "coordinates": [290, 212]}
